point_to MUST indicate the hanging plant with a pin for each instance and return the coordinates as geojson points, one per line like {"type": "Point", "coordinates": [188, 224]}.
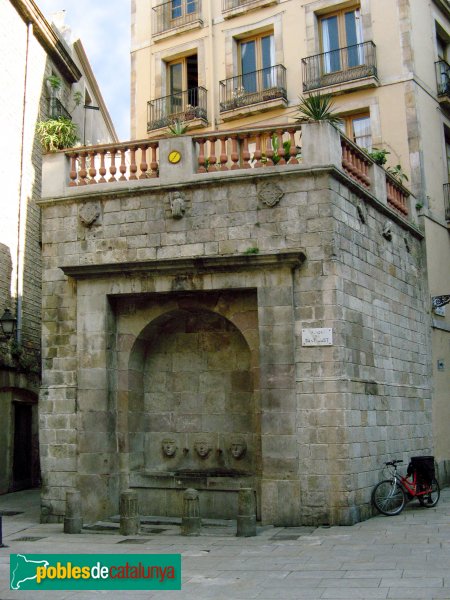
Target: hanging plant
{"type": "Point", "coordinates": [54, 82]}
{"type": "Point", "coordinates": [57, 134]}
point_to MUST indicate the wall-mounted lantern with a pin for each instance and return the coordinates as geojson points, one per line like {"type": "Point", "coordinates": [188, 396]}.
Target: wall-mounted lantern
{"type": "Point", "coordinates": [7, 325]}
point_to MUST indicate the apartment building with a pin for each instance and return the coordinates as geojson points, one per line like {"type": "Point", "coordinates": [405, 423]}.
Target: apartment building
{"type": "Point", "coordinates": [229, 64]}
{"type": "Point", "coordinates": [34, 52]}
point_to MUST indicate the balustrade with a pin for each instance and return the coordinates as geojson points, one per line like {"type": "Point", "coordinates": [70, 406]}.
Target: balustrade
{"type": "Point", "coordinates": [397, 195]}
{"type": "Point", "coordinates": [249, 149]}
{"type": "Point", "coordinates": [355, 162]}
{"type": "Point", "coordinates": [90, 165]}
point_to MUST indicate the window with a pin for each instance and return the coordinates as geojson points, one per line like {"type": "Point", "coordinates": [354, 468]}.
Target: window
{"type": "Point", "coordinates": [257, 57]}
{"type": "Point", "coordinates": [337, 31]}
{"type": "Point", "coordinates": [357, 128]}
{"type": "Point", "coordinates": [180, 8]}
{"type": "Point", "coordinates": [182, 83]}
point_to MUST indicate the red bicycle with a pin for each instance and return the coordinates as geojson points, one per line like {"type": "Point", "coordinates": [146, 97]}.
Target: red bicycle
{"type": "Point", "coordinates": [390, 496]}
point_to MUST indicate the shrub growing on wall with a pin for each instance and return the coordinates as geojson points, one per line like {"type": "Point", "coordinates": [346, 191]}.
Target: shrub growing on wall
{"type": "Point", "coordinates": [57, 134]}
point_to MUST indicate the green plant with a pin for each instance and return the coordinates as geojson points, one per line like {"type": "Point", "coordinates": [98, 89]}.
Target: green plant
{"type": "Point", "coordinates": [419, 206]}
{"type": "Point", "coordinates": [78, 98]}
{"type": "Point", "coordinates": [317, 107]}
{"type": "Point", "coordinates": [398, 173]}
{"type": "Point", "coordinates": [252, 250]}
{"type": "Point", "coordinates": [57, 134]}
{"type": "Point", "coordinates": [54, 82]}
{"type": "Point", "coordinates": [177, 127]}
{"type": "Point", "coordinates": [379, 155]}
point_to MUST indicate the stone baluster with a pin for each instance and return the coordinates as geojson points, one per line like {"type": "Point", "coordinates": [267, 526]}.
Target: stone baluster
{"type": "Point", "coordinates": [234, 153]}
{"type": "Point", "coordinates": [133, 165]}
{"type": "Point", "coordinates": [112, 166]}
{"type": "Point", "coordinates": [245, 152]}
{"type": "Point", "coordinates": [258, 153]}
{"type": "Point", "coordinates": [292, 149]}
{"type": "Point", "coordinates": [212, 160]}
{"type": "Point", "coordinates": [73, 175]}
{"type": "Point", "coordinates": [92, 169]}
{"type": "Point", "coordinates": [102, 169]}
{"type": "Point", "coordinates": [201, 156]}
{"type": "Point", "coordinates": [269, 151]}
{"type": "Point", "coordinates": [143, 166]}
{"type": "Point", "coordinates": [82, 174]}
{"type": "Point", "coordinates": [223, 153]}
{"type": "Point", "coordinates": [281, 150]}
{"type": "Point", "coordinates": [153, 161]}
{"type": "Point", "coordinates": [123, 165]}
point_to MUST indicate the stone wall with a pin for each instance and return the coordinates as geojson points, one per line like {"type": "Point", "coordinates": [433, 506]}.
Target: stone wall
{"type": "Point", "coordinates": [312, 249]}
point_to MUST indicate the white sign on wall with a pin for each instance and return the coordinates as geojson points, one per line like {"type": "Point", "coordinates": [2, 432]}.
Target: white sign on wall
{"type": "Point", "coordinates": [317, 337]}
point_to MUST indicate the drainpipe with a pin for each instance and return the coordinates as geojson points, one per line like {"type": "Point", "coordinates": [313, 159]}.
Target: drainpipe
{"type": "Point", "coordinates": [212, 62]}
{"type": "Point", "coordinates": [21, 221]}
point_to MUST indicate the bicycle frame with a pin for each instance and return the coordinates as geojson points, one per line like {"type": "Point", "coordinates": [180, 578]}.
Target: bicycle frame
{"type": "Point", "coordinates": [411, 486]}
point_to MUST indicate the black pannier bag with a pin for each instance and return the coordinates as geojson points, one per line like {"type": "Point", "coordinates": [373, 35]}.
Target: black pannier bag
{"type": "Point", "coordinates": [423, 466]}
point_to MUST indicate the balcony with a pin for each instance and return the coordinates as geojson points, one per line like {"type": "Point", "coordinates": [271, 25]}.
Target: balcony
{"type": "Point", "coordinates": [176, 16]}
{"type": "Point", "coordinates": [341, 70]}
{"type": "Point", "coordinates": [253, 92]}
{"type": "Point", "coordinates": [443, 82]}
{"type": "Point", "coordinates": [189, 106]}
{"type": "Point", "coordinates": [233, 8]}
{"type": "Point", "coordinates": [58, 110]}
{"type": "Point", "coordinates": [447, 202]}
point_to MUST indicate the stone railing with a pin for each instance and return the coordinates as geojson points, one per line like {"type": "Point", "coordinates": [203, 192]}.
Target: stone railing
{"type": "Point", "coordinates": [355, 162]}
{"type": "Point", "coordinates": [179, 160]}
{"type": "Point", "coordinates": [397, 195]}
{"type": "Point", "coordinates": [99, 164]}
{"type": "Point", "coordinates": [252, 148]}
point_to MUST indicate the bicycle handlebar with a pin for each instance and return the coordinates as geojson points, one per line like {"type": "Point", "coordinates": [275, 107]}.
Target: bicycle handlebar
{"type": "Point", "coordinates": [393, 463]}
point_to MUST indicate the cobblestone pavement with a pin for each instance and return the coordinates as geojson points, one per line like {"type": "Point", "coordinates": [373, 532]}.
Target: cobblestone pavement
{"type": "Point", "coordinates": [403, 557]}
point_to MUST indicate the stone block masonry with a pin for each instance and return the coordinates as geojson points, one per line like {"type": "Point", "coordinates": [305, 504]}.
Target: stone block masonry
{"type": "Point", "coordinates": [173, 317]}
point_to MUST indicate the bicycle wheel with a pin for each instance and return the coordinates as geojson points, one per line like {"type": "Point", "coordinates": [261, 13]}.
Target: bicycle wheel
{"type": "Point", "coordinates": [431, 499]}
{"type": "Point", "coordinates": [388, 498]}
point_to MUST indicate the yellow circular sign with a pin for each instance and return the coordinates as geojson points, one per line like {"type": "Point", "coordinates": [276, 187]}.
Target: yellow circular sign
{"type": "Point", "coordinates": [174, 157]}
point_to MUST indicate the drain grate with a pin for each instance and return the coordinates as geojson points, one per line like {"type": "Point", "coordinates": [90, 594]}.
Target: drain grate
{"type": "Point", "coordinates": [28, 539]}
{"type": "Point", "coordinates": [10, 513]}
{"type": "Point", "coordinates": [134, 541]}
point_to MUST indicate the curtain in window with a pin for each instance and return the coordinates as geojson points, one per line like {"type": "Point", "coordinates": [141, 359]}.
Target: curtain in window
{"type": "Point", "coordinates": [248, 66]}
{"type": "Point", "coordinates": [353, 32]}
{"type": "Point", "coordinates": [330, 44]}
{"type": "Point", "coordinates": [361, 132]}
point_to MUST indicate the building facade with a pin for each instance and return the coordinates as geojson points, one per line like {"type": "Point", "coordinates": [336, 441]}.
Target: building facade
{"type": "Point", "coordinates": [223, 65]}
{"type": "Point", "coordinates": [32, 52]}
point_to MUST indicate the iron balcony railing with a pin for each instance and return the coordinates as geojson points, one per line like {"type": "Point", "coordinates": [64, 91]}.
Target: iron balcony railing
{"type": "Point", "coordinates": [447, 201]}
{"type": "Point", "coordinates": [174, 14]}
{"type": "Point", "coordinates": [184, 106]}
{"type": "Point", "coordinates": [339, 66]}
{"type": "Point", "coordinates": [57, 110]}
{"type": "Point", "coordinates": [443, 77]}
{"type": "Point", "coordinates": [251, 88]}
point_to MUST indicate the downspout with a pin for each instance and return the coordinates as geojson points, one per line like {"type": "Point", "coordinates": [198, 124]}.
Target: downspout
{"type": "Point", "coordinates": [20, 225]}
{"type": "Point", "coordinates": [211, 65]}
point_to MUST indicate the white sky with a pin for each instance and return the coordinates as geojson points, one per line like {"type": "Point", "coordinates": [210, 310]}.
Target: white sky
{"type": "Point", "coordinates": [104, 29]}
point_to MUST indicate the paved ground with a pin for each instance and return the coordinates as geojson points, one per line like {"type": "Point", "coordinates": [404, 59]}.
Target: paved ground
{"type": "Point", "coordinates": [401, 557]}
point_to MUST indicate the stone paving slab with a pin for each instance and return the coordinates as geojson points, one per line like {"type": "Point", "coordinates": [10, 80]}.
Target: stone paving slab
{"type": "Point", "coordinates": [396, 558]}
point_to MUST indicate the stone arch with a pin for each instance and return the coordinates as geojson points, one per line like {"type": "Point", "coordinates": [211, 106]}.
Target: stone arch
{"type": "Point", "coordinates": [192, 377]}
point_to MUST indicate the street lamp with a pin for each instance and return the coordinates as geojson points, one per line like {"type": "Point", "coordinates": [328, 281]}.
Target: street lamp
{"type": "Point", "coordinates": [7, 325]}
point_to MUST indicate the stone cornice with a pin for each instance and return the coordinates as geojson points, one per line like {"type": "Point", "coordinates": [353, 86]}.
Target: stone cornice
{"type": "Point", "coordinates": [291, 259]}
{"type": "Point", "coordinates": [48, 38]}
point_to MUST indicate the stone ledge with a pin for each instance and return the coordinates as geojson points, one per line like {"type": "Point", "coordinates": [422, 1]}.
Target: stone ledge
{"type": "Point", "coordinates": [292, 260]}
